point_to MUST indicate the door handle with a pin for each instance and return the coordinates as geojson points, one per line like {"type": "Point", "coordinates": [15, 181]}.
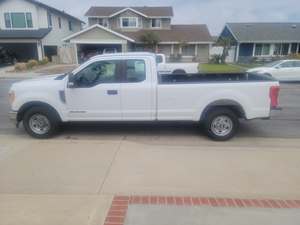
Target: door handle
{"type": "Point", "coordinates": [112, 92]}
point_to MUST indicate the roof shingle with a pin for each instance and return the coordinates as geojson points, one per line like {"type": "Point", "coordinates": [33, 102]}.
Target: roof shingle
{"type": "Point", "coordinates": [177, 33]}
{"type": "Point", "coordinates": [107, 11]}
{"type": "Point", "coordinates": [264, 32]}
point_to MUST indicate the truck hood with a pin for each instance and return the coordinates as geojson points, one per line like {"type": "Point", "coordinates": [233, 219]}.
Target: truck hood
{"type": "Point", "coordinates": [258, 69]}
{"type": "Point", "coordinates": [43, 82]}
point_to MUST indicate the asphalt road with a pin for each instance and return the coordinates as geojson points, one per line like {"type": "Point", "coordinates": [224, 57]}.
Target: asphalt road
{"type": "Point", "coordinates": [284, 124]}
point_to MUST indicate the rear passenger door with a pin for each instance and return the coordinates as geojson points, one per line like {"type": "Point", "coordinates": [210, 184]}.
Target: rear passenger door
{"type": "Point", "coordinates": [138, 91]}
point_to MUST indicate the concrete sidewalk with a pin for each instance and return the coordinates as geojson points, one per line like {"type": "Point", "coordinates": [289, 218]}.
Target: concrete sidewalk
{"type": "Point", "coordinates": [63, 181]}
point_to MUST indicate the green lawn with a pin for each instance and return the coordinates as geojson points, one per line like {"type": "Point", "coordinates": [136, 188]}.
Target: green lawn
{"type": "Point", "coordinates": [220, 68]}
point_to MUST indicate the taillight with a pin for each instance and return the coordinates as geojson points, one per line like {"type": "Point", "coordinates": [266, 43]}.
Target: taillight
{"type": "Point", "coordinates": [274, 95]}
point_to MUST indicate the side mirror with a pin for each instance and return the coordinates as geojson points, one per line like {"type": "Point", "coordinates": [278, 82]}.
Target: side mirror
{"type": "Point", "coordinates": [71, 81]}
{"type": "Point", "coordinates": [277, 67]}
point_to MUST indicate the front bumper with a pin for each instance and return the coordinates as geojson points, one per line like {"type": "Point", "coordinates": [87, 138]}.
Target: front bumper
{"type": "Point", "coordinates": [13, 117]}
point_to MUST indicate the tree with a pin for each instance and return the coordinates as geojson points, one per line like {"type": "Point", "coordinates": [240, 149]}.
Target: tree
{"type": "Point", "coordinates": [226, 43]}
{"type": "Point", "coordinates": [150, 39]}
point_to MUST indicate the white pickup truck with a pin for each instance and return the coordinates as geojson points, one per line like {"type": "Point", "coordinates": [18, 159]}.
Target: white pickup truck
{"type": "Point", "coordinates": [174, 68]}
{"type": "Point", "coordinates": [127, 87]}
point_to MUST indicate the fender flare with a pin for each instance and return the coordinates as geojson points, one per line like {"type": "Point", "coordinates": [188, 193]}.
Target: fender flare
{"type": "Point", "coordinates": [232, 104]}
{"type": "Point", "coordinates": [29, 105]}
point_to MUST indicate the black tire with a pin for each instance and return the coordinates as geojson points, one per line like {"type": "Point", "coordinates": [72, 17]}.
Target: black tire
{"type": "Point", "coordinates": [215, 114]}
{"type": "Point", "coordinates": [179, 71]}
{"type": "Point", "coordinates": [48, 113]}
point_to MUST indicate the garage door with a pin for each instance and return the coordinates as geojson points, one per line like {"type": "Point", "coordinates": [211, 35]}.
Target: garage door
{"type": "Point", "coordinates": [86, 51]}
{"type": "Point", "coordinates": [20, 51]}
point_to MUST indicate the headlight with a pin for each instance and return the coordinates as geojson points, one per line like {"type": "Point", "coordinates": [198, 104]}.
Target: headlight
{"type": "Point", "coordinates": [11, 97]}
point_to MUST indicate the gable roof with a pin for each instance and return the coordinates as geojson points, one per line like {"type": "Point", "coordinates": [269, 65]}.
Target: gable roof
{"type": "Point", "coordinates": [50, 8]}
{"type": "Point", "coordinates": [197, 33]}
{"type": "Point", "coordinates": [265, 32]}
{"type": "Point", "coordinates": [24, 34]}
{"type": "Point", "coordinates": [97, 26]}
{"type": "Point", "coordinates": [108, 11]}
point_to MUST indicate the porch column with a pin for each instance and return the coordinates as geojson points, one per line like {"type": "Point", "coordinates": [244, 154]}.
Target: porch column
{"type": "Point", "coordinates": [196, 50]}
{"type": "Point", "coordinates": [39, 50]}
{"type": "Point", "coordinates": [124, 47]}
{"type": "Point", "coordinates": [237, 52]}
{"type": "Point", "coordinates": [290, 49]}
{"type": "Point", "coordinates": [253, 53]}
{"type": "Point", "coordinates": [76, 53]}
{"type": "Point", "coordinates": [172, 49]}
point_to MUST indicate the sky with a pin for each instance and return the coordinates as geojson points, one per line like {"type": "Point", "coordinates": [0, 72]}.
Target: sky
{"type": "Point", "coordinates": [214, 13]}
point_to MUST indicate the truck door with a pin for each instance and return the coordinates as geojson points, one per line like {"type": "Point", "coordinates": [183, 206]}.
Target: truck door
{"type": "Point", "coordinates": [138, 91]}
{"type": "Point", "coordinates": [96, 95]}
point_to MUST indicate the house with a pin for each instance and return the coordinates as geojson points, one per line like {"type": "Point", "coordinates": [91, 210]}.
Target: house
{"type": "Point", "coordinates": [119, 29]}
{"type": "Point", "coordinates": [31, 30]}
{"type": "Point", "coordinates": [262, 41]}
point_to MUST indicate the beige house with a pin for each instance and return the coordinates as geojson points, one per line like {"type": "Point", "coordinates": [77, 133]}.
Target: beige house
{"type": "Point", "coordinates": [119, 29]}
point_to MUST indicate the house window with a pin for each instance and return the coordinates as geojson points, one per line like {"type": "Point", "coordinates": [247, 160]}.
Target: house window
{"type": "Point", "coordinates": [165, 49]}
{"type": "Point", "coordinates": [188, 50]}
{"type": "Point", "coordinates": [103, 22]}
{"type": "Point", "coordinates": [281, 49]}
{"type": "Point", "coordinates": [70, 26]}
{"type": "Point", "coordinates": [294, 48]}
{"type": "Point", "coordinates": [129, 22]}
{"type": "Point", "coordinates": [29, 20]}
{"type": "Point", "coordinates": [18, 20]}
{"type": "Point", "coordinates": [59, 22]}
{"type": "Point", "coordinates": [156, 23]}
{"type": "Point", "coordinates": [262, 49]}
{"type": "Point", "coordinates": [7, 20]}
{"type": "Point", "coordinates": [49, 16]}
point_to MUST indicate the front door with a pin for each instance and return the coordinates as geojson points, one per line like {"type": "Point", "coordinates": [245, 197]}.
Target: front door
{"type": "Point", "coordinates": [96, 93]}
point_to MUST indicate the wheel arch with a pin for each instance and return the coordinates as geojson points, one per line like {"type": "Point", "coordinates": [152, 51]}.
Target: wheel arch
{"type": "Point", "coordinates": [233, 105]}
{"type": "Point", "coordinates": [29, 105]}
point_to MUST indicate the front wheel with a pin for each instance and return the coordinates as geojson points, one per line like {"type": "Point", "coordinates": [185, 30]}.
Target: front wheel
{"type": "Point", "coordinates": [221, 124]}
{"type": "Point", "coordinates": [40, 122]}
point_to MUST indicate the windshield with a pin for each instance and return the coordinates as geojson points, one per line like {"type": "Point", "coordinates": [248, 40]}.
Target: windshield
{"type": "Point", "coordinates": [271, 64]}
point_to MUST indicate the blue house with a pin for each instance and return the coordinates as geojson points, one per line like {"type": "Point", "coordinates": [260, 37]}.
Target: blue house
{"type": "Point", "coordinates": [264, 41]}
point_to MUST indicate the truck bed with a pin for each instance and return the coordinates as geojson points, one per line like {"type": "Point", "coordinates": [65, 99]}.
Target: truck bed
{"type": "Point", "coordinates": [212, 78]}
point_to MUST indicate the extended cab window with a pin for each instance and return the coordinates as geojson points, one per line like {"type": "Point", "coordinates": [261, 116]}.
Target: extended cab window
{"type": "Point", "coordinates": [135, 70]}
{"type": "Point", "coordinates": [98, 72]}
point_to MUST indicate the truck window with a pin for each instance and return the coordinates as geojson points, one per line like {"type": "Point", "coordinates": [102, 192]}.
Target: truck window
{"type": "Point", "coordinates": [98, 72]}
{"type": "Point", "coordinates": [135, 71]}
{"type": "Point", "coordinates": [159, 59]}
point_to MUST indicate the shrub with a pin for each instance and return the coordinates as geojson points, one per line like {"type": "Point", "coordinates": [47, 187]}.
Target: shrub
{"type": "Point", "coordinates": [215, 59]}
{"type": "Point", "coordinates": [32, 63]}
{"type": "Point", "coordinates": [20, 66]}
{"type": "Point", "coordinates": [44, 61]}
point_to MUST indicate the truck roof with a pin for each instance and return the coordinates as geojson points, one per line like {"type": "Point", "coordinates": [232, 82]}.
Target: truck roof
{"type": "Point", "coordinates": [128, 54]}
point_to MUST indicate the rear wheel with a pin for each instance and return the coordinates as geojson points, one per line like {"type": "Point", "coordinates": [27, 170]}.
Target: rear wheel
{"type": "Point", "coordinates": [40, 122]}
{"type": "Point", "coordinates": [221, 124]}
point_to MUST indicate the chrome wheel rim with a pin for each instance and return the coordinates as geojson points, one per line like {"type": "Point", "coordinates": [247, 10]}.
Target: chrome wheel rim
{"type": "Point", "coordinates": [222, 126]}
{"type": "Point", "coordinates": [39, 124]}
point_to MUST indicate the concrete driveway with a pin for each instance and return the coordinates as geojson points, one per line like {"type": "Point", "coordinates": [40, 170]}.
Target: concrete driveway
{"type": "Point", "coordinates": [72, 179]}
{"type": "Point", "coordinates": [62, 181]}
